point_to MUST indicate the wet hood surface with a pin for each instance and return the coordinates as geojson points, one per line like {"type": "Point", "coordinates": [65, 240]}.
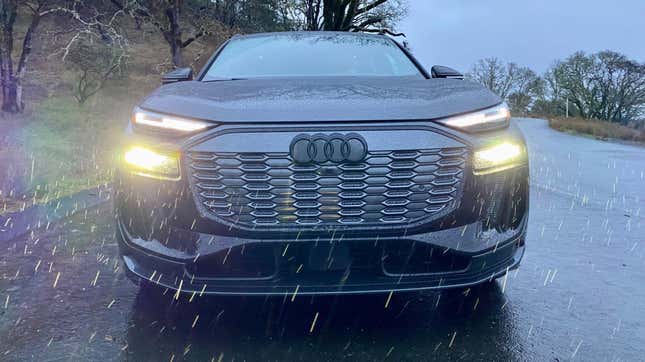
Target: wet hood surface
{"type": "Point", "coordinates": [320, 99]}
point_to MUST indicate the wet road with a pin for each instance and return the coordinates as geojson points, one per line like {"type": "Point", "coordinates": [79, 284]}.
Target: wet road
{"type": "Point", "coordinates": [579, 294]}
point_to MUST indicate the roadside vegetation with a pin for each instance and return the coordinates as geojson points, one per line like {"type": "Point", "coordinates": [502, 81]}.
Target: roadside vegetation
{"type": "Point", "coordinates": [72, 146]}
{"type": "Point", "coordinates": [63, 147]}
{"type": "Point", "coordinates": [600, 94]}
{"type": "Point", "coordinates": [601, 130]}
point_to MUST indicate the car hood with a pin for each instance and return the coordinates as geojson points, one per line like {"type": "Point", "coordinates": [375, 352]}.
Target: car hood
{"type": "Point", "coordinates": [320, 99]}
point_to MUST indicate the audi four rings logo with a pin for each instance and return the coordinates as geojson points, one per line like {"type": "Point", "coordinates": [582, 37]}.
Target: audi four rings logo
{"type": "Point", "coordinates": [335, 147]}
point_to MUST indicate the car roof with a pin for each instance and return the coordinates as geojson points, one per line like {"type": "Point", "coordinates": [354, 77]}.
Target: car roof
{"type": "Point", "coordinates": [308, 33]}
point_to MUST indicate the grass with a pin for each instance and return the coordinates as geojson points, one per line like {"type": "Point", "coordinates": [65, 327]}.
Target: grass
{"type": "Point", "coordinates": [66, 147]}
{"type": "Point", "coordinates": [599, 129]}
{"type": "Point", "coordinates": [57, 147]}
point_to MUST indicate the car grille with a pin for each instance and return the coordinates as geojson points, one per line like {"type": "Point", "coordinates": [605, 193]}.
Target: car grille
{"type": "Point", "coordinates": [270, 191]}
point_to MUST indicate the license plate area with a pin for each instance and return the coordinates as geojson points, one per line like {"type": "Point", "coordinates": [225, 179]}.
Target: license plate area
{"type": "Point", "coordinates": [329, 257]}
{"type": "Point", "coordinates": [246, 262]}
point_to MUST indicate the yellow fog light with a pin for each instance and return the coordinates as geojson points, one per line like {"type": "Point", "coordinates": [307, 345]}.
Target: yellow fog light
{"type": "Point", "coordinates": [146, 162]}
{"type": "Point", "coordinates": [498, 158]}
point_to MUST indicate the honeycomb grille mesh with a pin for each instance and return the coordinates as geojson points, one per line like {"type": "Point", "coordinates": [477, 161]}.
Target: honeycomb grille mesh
{"type": "Point", "coordinates": [269, 190]}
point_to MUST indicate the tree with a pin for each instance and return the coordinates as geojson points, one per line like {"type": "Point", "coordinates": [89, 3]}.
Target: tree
{"type": "Point", "coordinates": [519, 86]}
{"type": "Point", "coordinates": [605, 85]}
{"type": "Point", "coordinates": [550, 102]}
{"type": "Point", "coordinates": [349, 15]}
{"type": "Point", "coordinates": [174, 19]}
{"type": "Point", "coordinates": [84, 19]}
{"type": "Point", "coordinates": [255, 15]}
{"type": "Point", "coordinates": [494, 74]}
{"type": "Point", "coordinates": [95, 62]}
{"type": "Point", "coordinates": [10, 76]}
{"type": "Point", "coordinates": [527, 88]}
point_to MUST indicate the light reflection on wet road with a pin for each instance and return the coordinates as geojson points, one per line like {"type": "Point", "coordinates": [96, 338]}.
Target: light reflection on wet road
{"type": "Point", "coordinates": [578, 294]}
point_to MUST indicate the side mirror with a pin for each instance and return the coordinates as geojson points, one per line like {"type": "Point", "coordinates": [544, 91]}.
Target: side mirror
{"type": "Point", "coordinates": [177, 75]}
{"type": "Point", "coordinates": [439, 71]}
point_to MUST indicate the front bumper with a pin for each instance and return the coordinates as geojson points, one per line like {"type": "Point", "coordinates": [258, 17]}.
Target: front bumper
{"type": "Point", "coordinates": [166, 239]}
{"type": "Point", "coordinates": [147, 266]}
{"type": "Point", "coordinates": [152, 262]}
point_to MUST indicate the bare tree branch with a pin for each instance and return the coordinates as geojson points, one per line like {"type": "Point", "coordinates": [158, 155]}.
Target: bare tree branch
{"type": "Point", "coordinates": [83, 16]}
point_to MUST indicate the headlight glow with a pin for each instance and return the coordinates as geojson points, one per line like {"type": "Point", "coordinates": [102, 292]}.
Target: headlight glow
{"type": "Point", "coordinates": [491, 118]}
{"type": "Point", "coordinates": [167, 123]}
{"type": "Point", "coordinates": [497, 158]}
{"type": "Point", "coordinates": [149, 163]}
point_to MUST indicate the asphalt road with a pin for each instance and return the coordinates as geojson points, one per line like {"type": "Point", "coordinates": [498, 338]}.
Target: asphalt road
{"type": "Point", "coordinates": [579, 294]}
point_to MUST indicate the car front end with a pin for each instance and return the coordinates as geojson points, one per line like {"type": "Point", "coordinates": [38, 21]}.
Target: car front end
{"type": "Point", "coordinates": [321, 186]}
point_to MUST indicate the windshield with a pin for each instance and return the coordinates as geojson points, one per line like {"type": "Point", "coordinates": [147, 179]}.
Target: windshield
{"type": "Point", "coordinates": [304, 55]}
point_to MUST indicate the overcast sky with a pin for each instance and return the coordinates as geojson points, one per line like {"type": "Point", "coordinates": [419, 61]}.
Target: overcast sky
{"type": "Point", "coordinates": [533, 33]}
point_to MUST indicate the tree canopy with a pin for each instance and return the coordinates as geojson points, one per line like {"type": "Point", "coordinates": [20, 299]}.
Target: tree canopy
{"type": "Point", "coordinates": [604, 85]}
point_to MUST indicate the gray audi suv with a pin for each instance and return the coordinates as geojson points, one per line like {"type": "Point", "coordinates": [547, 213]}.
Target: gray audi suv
{"type": "Point", "coordinates": [320, 163]}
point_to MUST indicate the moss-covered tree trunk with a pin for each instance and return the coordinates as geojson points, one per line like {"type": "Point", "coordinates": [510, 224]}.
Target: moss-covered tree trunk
{"type": "Point", "coordinates": [173, 34]}
{"type": "Point", "coordinates": [8, 83]}
{"type": "Point", "coordinates": [10, 78]}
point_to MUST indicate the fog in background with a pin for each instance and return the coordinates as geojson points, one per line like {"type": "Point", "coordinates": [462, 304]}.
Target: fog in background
{"type": "Point", "coordinates": [457, 33]}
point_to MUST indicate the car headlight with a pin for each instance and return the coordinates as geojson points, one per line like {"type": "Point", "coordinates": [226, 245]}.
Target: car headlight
{"type": "Point", "coordinates": [498, 158]}
{"type": "Point", "coordinates": [165, 123]}
{"type": "Point", "coordinates": [487, 119]}
{"type": "Point", "coordinates": [146, 162]}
